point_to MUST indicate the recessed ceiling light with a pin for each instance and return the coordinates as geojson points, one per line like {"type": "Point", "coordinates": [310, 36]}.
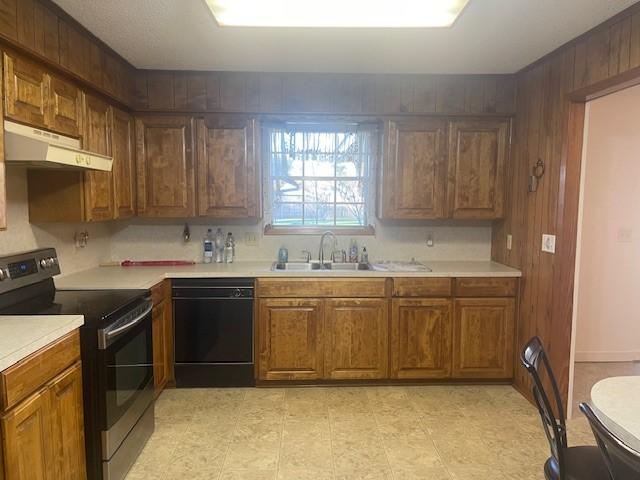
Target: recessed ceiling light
{"type": "Point", "coordinates": [337, 13]}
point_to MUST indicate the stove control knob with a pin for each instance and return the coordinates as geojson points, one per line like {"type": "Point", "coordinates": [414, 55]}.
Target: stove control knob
{"type": "Point", "coordinates": [237, 293]}
{"type": "Point", "coordinates": [3, 274]}
{"type": "Point", "coordinates": [43, 263]}
{"type": "Point", "coordinates": [49, 262]}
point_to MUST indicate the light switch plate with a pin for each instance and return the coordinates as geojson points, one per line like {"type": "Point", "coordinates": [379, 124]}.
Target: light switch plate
{"type": "Point", "coordinates": [509, 242]}
{"type": "Point", "coordinates": [548, 243]}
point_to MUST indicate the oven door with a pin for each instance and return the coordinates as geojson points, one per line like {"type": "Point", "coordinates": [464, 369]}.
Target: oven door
{"type": "Point", "coordinates": [126, 355]}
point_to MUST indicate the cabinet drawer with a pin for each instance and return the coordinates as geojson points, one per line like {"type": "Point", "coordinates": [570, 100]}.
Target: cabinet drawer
{"type": "Point", "coordinates": [421, 287]}
{"type": "Point", "coordinates": [160, 292]}
{"type": "Point", "coordinates": [321, 287]}
{"type": "Point", "coordinates": [486, 287]}
{"type": "Point", "coordinates": [24, 378]}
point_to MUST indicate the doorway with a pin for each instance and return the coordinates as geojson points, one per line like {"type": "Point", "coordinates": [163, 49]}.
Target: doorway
{"type": "Point", "coordinates": [606, 313]}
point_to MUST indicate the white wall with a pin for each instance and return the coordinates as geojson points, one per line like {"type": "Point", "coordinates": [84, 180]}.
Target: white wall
{"type": "Point", "coordinates": [608, 299]}
{"type": "Point", "coordinates": [21, 236]}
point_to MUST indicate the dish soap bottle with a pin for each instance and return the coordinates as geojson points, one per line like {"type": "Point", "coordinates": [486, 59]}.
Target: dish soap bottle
{"type": "Point", "coordinates": [229, 248]}
{"type": "Point", "coordinates": [219, 245]}
{"type": "Point", "coordinates": [207, 256]}
{"type": "Point", "coordinates": [364, 256]}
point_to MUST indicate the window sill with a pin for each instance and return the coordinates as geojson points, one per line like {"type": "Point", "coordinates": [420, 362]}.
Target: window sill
{"type": "Point", "coordinates": [279, 230]}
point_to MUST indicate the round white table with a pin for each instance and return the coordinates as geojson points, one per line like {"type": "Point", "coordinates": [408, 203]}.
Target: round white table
{"type": "Point", "coordinates": [617, 399]}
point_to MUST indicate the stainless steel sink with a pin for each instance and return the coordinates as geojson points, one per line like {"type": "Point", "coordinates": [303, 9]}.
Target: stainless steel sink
{"type": "Point", "coordinates": [317, 266]}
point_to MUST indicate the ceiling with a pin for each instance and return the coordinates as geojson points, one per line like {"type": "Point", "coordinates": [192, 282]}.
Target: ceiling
{"type": "Point", "coordinates": [491, 36]}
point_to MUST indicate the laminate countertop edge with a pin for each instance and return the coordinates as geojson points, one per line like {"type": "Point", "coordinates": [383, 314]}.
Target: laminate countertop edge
{"type": "Point", "coordinates": [115, 277]}
{"type": "Point", "coordinates": [22, 335]}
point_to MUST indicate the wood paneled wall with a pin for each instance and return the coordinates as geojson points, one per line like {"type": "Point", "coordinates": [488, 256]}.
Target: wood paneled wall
{"type": "Point", "coordinates": [324, 93]}
{"type": "Point", "coordinates": [549, 126]}
{"type": "Point", "coordinates": [49, 34]}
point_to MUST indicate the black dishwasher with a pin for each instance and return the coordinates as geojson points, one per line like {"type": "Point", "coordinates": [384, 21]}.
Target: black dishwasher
{"type": "Point", "coordinates": [214, 332]}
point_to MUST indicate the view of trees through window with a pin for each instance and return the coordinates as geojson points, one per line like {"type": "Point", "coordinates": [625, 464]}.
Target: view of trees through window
{"type": "Point", "coordinates": [320, 176]}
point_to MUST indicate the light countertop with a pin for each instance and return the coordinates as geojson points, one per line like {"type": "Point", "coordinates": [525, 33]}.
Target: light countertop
{"type": "Point", "coordinates": [113, 277]}
{"type": "Point", "coordinates": [617, 398]}
{"type": "Point", "coordinates": [20, 336]}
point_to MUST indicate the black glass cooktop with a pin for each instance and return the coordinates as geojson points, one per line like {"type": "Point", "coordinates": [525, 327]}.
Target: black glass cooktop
{"type": "Point", "coordinates": [95, 305]}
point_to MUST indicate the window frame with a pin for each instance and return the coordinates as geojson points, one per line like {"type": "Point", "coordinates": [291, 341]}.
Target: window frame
{"type": "Point", "coordinates": [316, 125]}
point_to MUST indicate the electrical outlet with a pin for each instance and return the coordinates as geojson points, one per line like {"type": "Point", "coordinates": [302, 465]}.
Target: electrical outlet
{"type": "Point", "coordinates": [251, 239]}
{"type": "Point", "coordinates": [509, 241]}
{"type": "Point", "coordinates": [548, 243]}
{"type": "Point", "coordinates": [430, 240]}
{"type": "Point", "coordinates": [625, 235]}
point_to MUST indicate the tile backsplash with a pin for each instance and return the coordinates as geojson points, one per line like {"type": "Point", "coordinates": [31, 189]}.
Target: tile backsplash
{"type": "Point", "coordinates": [146, 239]}
{"type": "Point", "coordinates": [139, 241]}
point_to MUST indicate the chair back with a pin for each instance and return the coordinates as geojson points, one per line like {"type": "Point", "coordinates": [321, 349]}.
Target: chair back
{"type": "Point", "coordinates": [536, 362]}
{"type": "Point", "coordinates": [623, 462]}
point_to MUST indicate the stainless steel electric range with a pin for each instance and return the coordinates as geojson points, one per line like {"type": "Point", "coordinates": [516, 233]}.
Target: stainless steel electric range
{"type": "Point", "coordinates": [117, 355]}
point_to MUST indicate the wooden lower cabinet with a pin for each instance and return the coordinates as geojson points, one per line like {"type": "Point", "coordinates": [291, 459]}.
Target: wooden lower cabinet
{"type": "Point", "coordinates": [162, 336]}
{"type": "Point", "coordinates": [483, 338]}
{"type": "Point", "coordinates": [290, 341]}
{"type": "Point", "coordinates": [356, 338]}
{"type": "Point", "coordinates": [43, 436]}
{"type": "Point", "coordinates": [421, 338]}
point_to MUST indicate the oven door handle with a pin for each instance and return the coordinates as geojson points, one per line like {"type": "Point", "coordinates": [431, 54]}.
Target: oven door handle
{"type": "Point", "coordinates": [106, 335]}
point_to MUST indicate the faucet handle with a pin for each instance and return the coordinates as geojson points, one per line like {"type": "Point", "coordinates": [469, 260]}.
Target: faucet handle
{"type": "Point", "coordinates": [307, 255]}
{"type": "Point", "coordinates": [339, 256]}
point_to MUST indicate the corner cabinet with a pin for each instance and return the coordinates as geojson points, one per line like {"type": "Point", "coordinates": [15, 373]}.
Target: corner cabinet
{"type": "Point", "coordinates": [414, 170]}
{"type": "Point", "coordinates": [478, 152]}
{"type": "Point", "coordinates": [164, 156]}
{"type": "Point", "coordinates": [228, 169]}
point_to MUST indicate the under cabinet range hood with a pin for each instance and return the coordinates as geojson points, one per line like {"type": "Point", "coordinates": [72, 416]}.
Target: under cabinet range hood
{"type": "Point", "coordinates": [36, 148]}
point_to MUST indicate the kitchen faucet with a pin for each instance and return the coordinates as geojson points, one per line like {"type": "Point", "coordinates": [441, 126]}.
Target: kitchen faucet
{"type": "Point", "coordinates": [321, 253]}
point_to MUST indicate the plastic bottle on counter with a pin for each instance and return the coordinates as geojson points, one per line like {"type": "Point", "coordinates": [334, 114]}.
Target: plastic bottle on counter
{"type": "Point", "coordinates": [229, 249]}
{"type": "Point", "coordinates": [283, 255]}
{"type": "Point", "coordinates": [364, 257]}
{"type": "Point", "coordinates": [353, 251]}
{"type": "Point", "coordinates": [207, 255]}
{"type": "Point", "coordinates": [219, 246]}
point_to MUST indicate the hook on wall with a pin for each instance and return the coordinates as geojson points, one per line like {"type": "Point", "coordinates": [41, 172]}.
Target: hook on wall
{"type": "Point", "coordinates": [536, 174]}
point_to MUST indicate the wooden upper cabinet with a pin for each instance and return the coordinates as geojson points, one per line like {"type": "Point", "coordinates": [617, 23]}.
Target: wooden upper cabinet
{"type": "Point", "coordinates": [26, 440]}
{"type": "Point", "coordinates": [483, 338]}
{"type": "Point", "coordinates": [421, 338]}
{"type": "Point", "coordinates": [164, 157]}
{"type": "Point", "coordinates": [96, 136]}
{"type": "Point", "coordinates": [26, 91]}
{"type": "Point", "coordinates": [478, 152]}
{"type": "Point", "coordinates": [356, 338]}
{"type": "Point", "coordinates": [414, 170]}
{"type": "Point", "coordinates": [290, 343]}
{"type": "Point", "coordinates": [65, 107]}
{"type": "Point", "coordinates": [228, 169]}
{"type": "Point", "coordinates": [124, 165]}
{"type": "Point", "coordinates": [67, 424]}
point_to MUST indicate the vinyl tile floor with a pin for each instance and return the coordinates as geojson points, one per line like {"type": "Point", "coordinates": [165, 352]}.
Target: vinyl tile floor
{"type": "Point", "coordinates": [348, 433]}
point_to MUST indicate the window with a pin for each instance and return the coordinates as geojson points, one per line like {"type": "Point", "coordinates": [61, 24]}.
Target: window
{"type": "Point", "coordinates": [319, 176]}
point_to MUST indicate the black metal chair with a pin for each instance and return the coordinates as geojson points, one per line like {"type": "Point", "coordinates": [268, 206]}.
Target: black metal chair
{"type": "Point", "coordinates": [623, 462]}
{"type": "Point", "coordinates": [565, 463]}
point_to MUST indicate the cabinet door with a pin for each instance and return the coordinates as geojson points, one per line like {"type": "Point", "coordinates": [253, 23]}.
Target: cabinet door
{"type": "Point", "coordinates": [26, 91]}
{"type": "Point", "coordinates": [124, 167]}
{"type": "Point", "coordinates": [414, 170]}
{"type": "Point", "coordinates": [98, 188]}
{"type": "Point", "coordinates": [26, 440]}
{"type": "Point", "coordinates": [478, 153]}
{"type": "Point", "coordinates": [290, 339]}
{"type": "Point", "coordinates": [159, 335]}
{"type": "Point", "coordinates": [67, 421]}
{"type": "Point", "coordinates": [65, 107]}
{"type": "Point", "coordinates": [164, 157]}
{"type": "Point", "coordinates": [228, 170]}
{"type": "Point", "coordinates": [356, 338]}
{"type": "Point", "coordinates": [483, 337]}
{"type": "Point", "coordinates": [421, 338]}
